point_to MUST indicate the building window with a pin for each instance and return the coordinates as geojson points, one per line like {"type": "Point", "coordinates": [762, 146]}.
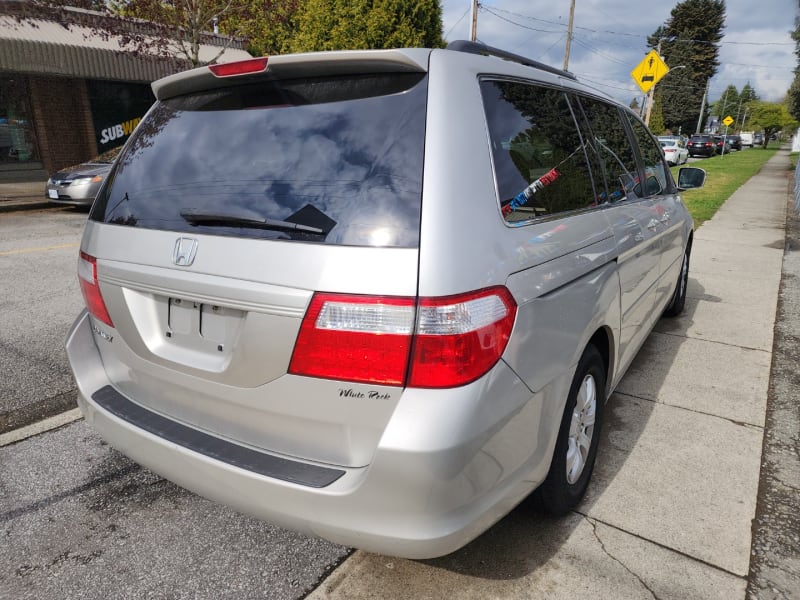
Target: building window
{"type": "Point", "coordinates": [117, 108]}
{"type": "Point", "coordinates": [17, 137]}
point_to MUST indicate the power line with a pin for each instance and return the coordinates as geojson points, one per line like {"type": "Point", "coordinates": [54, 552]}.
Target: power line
{"type": "Point", "coordinates": [461, 18]}
{"type": "Point", "coordinates": [580, 42]}
{"type": "Point", "coordinates": [492, 12]}
{"type": "Point", "coordinates": [623, 33]}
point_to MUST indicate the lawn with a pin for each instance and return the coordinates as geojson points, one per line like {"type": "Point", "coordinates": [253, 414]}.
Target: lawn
{"type": "Point", "coordinates": [724, 176]}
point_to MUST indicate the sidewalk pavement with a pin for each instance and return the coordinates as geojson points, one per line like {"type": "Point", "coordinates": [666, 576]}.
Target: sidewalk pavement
{"type": "Point", "coordinates": [670, 508]}
{"type": "Point", "coordinates": [22, 195]}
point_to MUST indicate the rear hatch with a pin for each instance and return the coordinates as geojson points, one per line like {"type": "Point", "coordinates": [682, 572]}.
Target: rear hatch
{"type": "Point", "coordinates": [235, 201]}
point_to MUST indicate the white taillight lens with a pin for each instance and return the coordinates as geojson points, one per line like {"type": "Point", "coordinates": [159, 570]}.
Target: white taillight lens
{"type": "Point", "coordinates": [90, 288]}
{"type": "Point", "coordinates": [367, 318]}
{"type": "Point", "coordinates": [461, 317]}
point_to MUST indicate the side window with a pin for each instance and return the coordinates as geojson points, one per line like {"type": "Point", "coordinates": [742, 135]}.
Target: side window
{"type": "Point", "coordinates": [654, 170]}
{"type": "Point", "coordinates": [539, 160]}
{"type": "Point", "coordinates": [610, 141]}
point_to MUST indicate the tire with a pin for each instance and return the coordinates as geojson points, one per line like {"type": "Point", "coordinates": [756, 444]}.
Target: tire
{"type": "Point", "coordinates": [678, 301]}
{"type": "Point", "coordinates": [578, 437]}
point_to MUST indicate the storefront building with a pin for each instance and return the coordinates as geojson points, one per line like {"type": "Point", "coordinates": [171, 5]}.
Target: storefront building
{"type": "Point", "coordinates": [67, 95]}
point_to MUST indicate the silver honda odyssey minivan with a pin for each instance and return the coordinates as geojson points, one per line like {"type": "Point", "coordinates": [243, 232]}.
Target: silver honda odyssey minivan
{"type": "Point", "coordinates": [375, 296]}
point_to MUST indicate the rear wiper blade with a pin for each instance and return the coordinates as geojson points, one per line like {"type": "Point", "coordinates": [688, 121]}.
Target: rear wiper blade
{"type": "Point", "coordinates": [221, 219]}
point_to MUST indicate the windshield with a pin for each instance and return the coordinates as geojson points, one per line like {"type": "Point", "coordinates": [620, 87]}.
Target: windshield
{"type": "Point", "coordinates": [345, 150]}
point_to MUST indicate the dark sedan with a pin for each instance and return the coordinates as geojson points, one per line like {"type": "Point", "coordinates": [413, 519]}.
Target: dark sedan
{"type": "Point", "coordinates": [722, 143]}
{"type": "Point", "coordinates": [701, 145]}
{"type": "Point", "coordinates": [79, 185]}
{"type": "Point", "coordinates": [735, 142]}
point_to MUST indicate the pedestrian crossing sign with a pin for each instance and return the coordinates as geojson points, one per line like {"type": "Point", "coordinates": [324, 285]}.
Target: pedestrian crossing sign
{"type": "Point", "coordinates": [648, 72]}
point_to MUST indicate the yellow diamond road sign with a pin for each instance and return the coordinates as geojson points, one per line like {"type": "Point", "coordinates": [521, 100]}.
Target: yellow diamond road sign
{"type": "Point", "coordinates": [728, 120]}
{"type": "Point", "coordinates": [648, 72]}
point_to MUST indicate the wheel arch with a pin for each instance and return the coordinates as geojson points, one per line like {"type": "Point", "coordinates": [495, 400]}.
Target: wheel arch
{"type": "Point", "coordinates": [603, 340]}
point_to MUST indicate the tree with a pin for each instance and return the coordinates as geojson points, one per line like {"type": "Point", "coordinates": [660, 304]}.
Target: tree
{"type": "Point", "coordinates": [180, 26]}
{"type": "Point", "coordinates": [794, 90]}
{"type": "Point", "coordinates": [362, 24]}
{"type": "Point", "coordinates": [657, 115]}
{"type": "Point", "coordinates": [727, 103]}
{"type": "Point", "coordinates": [747, 96]}
{"type": "Point", "coordinates": [159, 28]}
{"type": "Point", "coordinates": [269, 25]}
{"type": "Point", "coordinates": [770, 117]}
{"type": "Point", "coordinates": [689, 38]}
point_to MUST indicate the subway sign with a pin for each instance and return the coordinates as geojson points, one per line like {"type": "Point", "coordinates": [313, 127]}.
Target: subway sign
{"type": "Point", "coordinates": [117, 131]}
{"type": "Point", "coordinates": [117, 107]}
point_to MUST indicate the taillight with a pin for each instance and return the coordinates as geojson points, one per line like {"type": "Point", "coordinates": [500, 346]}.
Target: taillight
{"type": "Point", "coordinates": [367, 339]}
{"type": "Point", "coordinates": [87, 275]}
{"type": "Point", "coordinates": [240, 67]}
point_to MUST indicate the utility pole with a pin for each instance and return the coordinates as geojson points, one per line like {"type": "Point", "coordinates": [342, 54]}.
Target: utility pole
{"type": "Point", "coordinates": [651, 93]}
{"type": "Point", "coordinates": [474, 36]}
{"type": "Point", "coordinates": [569, 34]}
{"type": "Point", "coordinates": [703, 106]}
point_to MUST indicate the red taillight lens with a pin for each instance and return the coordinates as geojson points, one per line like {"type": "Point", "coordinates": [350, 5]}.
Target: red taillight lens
{"type": "Point", "coordinates": [241, 67]}
{"type": "Point", "coordinates": [87, 275]}
{"type": "Point", "coordinates": [355, 338]}
{"type": "Point", "coordinates": [459, 338]}
{"type": "Point", "coordinates": [369, 339]}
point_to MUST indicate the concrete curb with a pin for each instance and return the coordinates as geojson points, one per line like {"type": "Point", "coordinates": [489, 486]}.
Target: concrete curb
{"type": "Point", "coordinates": [17, 205]}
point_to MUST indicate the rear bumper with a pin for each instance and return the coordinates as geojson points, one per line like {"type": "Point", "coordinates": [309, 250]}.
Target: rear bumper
{"type": "Point", "coordinates": [422, 495]}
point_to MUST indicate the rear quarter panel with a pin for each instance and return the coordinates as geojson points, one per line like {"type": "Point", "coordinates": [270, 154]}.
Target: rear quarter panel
{"type": "Point", "coordinates": [560, 271]}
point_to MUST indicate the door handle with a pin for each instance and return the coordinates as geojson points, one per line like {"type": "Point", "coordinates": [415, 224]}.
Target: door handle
{"type": "Point", "coordinates": [665, 217]}
{"type": "Point", "coordinates": [652, 225]}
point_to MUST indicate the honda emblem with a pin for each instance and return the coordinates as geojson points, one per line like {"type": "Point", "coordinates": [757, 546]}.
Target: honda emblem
{"type": "Point", "coordinates": [185, 251]}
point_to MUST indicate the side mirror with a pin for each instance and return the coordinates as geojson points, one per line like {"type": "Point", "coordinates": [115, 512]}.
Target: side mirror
{"type": "Point", "coordinates": [690, 178]}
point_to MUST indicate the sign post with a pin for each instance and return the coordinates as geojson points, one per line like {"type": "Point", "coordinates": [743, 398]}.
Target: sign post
{"type": "Point", "coordinates": [727, 122]}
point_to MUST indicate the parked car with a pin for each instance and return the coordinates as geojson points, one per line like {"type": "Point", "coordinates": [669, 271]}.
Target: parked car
{"type": "Point", "coordinates": [285, 316]}
{"type": "Point", "coordinates": [735, 142]}
{"type": "Point", "coordinates": [721, 142]}
{"type": "Point", "coordinates": [675, 150]}
{"type": "Point", "coordinates": [758, 139]}
{"type": "Point", "coordinates": [748, 138]}
{"type": "Point", "coordinates": [701, 145]}
{"type": "Point", "coordinates": [79, 185]}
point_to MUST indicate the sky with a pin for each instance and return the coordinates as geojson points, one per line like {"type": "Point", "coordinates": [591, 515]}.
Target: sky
{"type": "Point", "coordinates": [610, 39]}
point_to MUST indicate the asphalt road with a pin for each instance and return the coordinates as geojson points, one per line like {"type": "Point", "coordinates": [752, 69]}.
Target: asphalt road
{"type": "Point", "coordinates": [79, 520]}
{"type": "Point", "coordinates": [39, 300]}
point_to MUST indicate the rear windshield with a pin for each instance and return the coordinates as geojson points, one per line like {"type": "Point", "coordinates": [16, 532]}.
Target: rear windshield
{"type": "Point", "coordinates": [334, 160]}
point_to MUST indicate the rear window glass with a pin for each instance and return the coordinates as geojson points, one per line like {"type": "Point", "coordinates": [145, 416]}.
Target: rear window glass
{"type": "Point", "coordinates": [334, 160]}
